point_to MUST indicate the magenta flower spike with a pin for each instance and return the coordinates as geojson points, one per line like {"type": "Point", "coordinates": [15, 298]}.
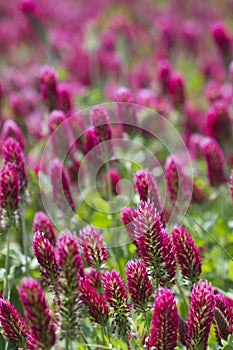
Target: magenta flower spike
{"type": "Point", "coordinates": [116, 295]}
{"type": "Point", "coordinates": [146, 187]}
{"type": "Point", "coordinates": [71, 269]}
{"type": "Point", "coordinates": [42, 223]}
{"type": "Point", "coordinates": [12, 324]}
{"type": "Point", "coordinates": [214, 160]}
{"type": "Point", "coordinates": [64, 98]}
{"type": "Point", "coordinates": [139, 284]}
{"type": "Point", "coordinates": [177, 182]}
{"type": "Point", "coordinates": [200, 316]}
{"type": "Point", "coordinates": [163, 74]}
{"type": "Point", "coordinates": [90, 140]}
{"type": "Point", "coordinates": [112, 178]}
{"type": "Point", "coordinates": [94, 302]}
{"type": "Point", "coordinates": [223, 317]}
{"type": "Point", "coordinates": [125, 108]}
{"type": "Point", "coordinates": [56, 118]}
{"type": "Point", "coordinates": [222, 39]}
{"type": "Point", "coordinates": [48, 87]}
{"type": "Point", "coordinates": [218, 122]}
{"type": "Point", "coordinates": [11, 129]}
{"type": "Point", "coordinates": [164, 322]}
{"type": "Point", "coordinates": [9, 196]}
{"type": "Point", "coordinates": [187, 254]}
{"type": "Point", "coordinates": [100, 120]}
{"type": "Point", "coordinates": [94, 249]}
{"type": "Point", "coordinates": [154, 245]}
{"type": "Point", "coordinates": [42, 327]}
{"type": "Point", "coordinates": [103, 132]}
{"type": "Point", "coordinates": [93, 277]}
{"type": "Point", "coordinates": [176, 90]}
{"type": "Point", "coordinates": [12, 153]}
{"type": "Point", "coordinates": [127, 215]}
{"type": "Point", "coordinates": [45, 254]}
{"type": "Point", "coordinates": [61, 190]}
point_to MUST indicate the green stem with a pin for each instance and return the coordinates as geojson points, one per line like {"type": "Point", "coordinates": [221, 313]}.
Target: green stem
{"type": "Point", "coordinates": [67, 341]}
{"type": "Point", "coordinates": [6, 292]}
{"type": "Point", "coordinates": [85, 341]}
{"type": "Point", "coordinates": [25, 241]}
{"type": "Point", "coordinates": [182, 294]}
{"type": "Point", "coordinates": [102, 332]}
{"type": "Point", "coordinates": [146, 322]}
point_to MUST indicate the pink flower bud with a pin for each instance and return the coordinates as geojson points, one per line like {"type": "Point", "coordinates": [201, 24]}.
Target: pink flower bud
{"type": "Point", "coordinates": [102, 130]}
{"type": "Point", "coordinates": [61, 187]}
{"type": "Point", "coordinates": [177, 182]}
{"type": "Point", "coordinates": [64, 98]}
{"type": "Point", "coordinates": [42, 327]}
{"type": "Point", "coordinates": [112, 178]}
{"type": "Point", "coordinates": [48, 87]}
{"type": "Point", "coordinates": [42, 223]}
{"type": "Point", "coordinates": [176, 90]}
{"type": "Point", "coordinates": [218, 122]}
{"type": "Point", "coordinates": [163, 74]}
{"type": "Point", "coordinates": [56, 118]}
{"type": "Point", "coordinates": [222, 39]}
{"type": "Point", "coordinates": [13, 325]}
{"type": "Point", "coordinates": [164, 322]}
{"type": "Point", "coordinates": [94, 249]}
{"type": "Point", "coordinates": [214, 160]}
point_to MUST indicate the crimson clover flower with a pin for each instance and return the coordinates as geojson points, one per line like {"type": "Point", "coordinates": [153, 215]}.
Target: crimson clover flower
{"type": "Point", "coordinates": [116, 295]}
{"type": "Point", "coordinates": [42, 223]}
{"type": "Point", "coordinates": [9, 196]}
{"type": "Point", "coordinates": [139, 284]}
{"type": "Point", "coordinates": [94, 302]}
{"type": "Point", "coordinates": [12, 153]}
{"type": "Point", "coordinates": [11, 129]}
{"type": "Point", "coordinates": [214, 160]}
{"type": "Point", "coordinates": [94, 249]}
{"type": "Point", "coordinates": [164, 322]}
{"type": "Point", "coordinates": [223, 317]}
{"type": "Point", "coordinates": [71, 268]}
{"type": "Point", "coordinates": [187, 254]}
{"type": "Point", "coordinates": [146, 187]}
{"type": "Point", "coordinates": [45, 254]}
{"type": "Point", "coordinates": [200, 316]}
{"type": "Point", "coordinates": [48, 87]}
{"type": "Point", "coordinates": [13, 325]}
{"type": "Point", "coordinates": [154, 244]}
{"type": "Point", "coordinates": [42, 326]}
{"type": "Point", "coordinates": [61, 186]}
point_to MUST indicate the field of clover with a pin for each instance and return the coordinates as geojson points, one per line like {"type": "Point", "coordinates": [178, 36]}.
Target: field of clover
{"type": "Point", "coordinates": [116, 174]}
